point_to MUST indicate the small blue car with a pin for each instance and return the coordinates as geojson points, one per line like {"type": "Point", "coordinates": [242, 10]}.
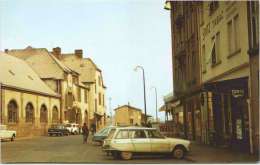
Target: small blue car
{"type": "Point", "coordinates": [102, 134]}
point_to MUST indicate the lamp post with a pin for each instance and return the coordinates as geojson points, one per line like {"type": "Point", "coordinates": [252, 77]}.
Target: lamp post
{"type": "Point", "coordinates": [140, 67]}
{"type": "Point", "coordinates": [155, 102]}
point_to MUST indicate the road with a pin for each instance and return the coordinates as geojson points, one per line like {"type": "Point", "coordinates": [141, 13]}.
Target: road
{"type": "Point", "coordinates": [69, 149]}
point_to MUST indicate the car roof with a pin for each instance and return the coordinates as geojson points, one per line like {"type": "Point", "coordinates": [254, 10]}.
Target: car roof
{"type": "Point", "coordinates": [135, 128]}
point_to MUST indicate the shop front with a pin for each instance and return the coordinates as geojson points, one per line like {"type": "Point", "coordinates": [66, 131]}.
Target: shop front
{"type": "Point", "coordinates": [228, 113]}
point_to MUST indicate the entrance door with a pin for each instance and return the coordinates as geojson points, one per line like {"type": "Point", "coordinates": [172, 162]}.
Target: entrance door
{"type": "Point", "coordinates": [240, 124]}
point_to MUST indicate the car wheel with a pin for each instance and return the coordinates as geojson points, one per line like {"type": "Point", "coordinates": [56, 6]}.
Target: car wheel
{"type": "Point", "coordinates": [12, 138]}
{"type": "Point", "coordinates": [126, 155]}
{"type": "Point", "coordinates": [179, 152]}
{"type": "Point", "coordinates": [115, 155]}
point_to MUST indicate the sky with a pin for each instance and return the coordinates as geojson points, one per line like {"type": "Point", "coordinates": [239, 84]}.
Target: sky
{"type": "Point", "coordinates": [116, 35]}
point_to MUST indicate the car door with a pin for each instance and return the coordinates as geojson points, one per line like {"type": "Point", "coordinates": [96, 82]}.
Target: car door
{"type": "Point", "coordinates": [141, 141]}
{"type": "Point", "coordinates": [158, 142]}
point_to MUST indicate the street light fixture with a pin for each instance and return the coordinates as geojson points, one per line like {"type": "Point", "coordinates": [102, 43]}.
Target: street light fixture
{"type": "Point", "coordinates": [136, 68]}
{"type": "Point", "coordinates": [155, 102]}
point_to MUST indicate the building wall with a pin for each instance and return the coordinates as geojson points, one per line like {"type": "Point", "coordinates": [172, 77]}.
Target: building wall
{"type": "Point", "coordinates": [21, 99]}
{"type": "Point", "coordinates": [124, 114]}
{"type": "Point", "coordinates": [230, 62]}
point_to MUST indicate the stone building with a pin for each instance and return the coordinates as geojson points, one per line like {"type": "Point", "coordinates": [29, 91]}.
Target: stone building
{"type": "Point", "coordinates": [90, 76]}
{"type": "Point", "coordinates": [225, 72]}
{"type": "Point", "coordinates": [59, 78]}
{"type": "Point", "coordinates": [186, 64]}
{"type": "Point", "coordinates": [27, 104]}
{"type": "Point", "coordinates": [128, 115]}
{"type": "Point", "coordinates": [253, 52]}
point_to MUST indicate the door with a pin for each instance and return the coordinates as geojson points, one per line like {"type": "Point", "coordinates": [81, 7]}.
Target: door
{"type": "Point", "coordinates": [158, 142]}
{"type": "Point", "coordinates": [141, 141]}
{"type": "Point", "coordinates": [240, 124]}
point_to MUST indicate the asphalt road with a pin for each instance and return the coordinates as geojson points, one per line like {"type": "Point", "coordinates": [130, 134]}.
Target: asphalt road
{"type": "Point", "coordinates": [67, 149]}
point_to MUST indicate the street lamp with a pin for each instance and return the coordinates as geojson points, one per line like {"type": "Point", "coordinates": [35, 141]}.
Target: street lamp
{"type": "Point", "coordinates": [136, 68]}
{"type": "Point", "coordinates": [155, 102]}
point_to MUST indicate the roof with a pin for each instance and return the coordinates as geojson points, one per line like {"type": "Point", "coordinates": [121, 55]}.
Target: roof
{"type": "Point", "coordinates": [84, 66]}
{"type": "Point", "coordinates": [42, 62]}
{"type": "Point", "coordinates": [16, 73]}
{"type": "Point", "coordinates": [134, 108]}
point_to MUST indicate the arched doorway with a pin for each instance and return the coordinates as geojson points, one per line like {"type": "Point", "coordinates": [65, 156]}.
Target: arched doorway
{"type": "Point", "coordinates": [12, 114]}
{"type": "Point", "coordinates": [79, 117]}
{"type": "Point", "coordinates": [72, 115]}
{"type": "Point", "coordinates": [86, 117]}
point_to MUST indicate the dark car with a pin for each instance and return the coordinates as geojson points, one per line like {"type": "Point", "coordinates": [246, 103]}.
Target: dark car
{"type": "Point", "coordinates": [58, 130]}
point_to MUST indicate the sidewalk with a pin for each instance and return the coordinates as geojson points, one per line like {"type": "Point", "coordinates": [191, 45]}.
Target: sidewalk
{"type": "Point", "coordinates": [201, 153]}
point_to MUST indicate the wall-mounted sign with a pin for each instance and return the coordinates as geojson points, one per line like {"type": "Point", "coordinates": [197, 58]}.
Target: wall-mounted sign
{"type": "Point", "coordinates": [237, 93]}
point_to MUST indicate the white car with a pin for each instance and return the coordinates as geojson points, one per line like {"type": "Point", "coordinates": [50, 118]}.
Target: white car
{"type": "Point", "coordinates": [73, 128]}
{"type": "Point", "coordinates": [7, 134]}
{"type": "Point", "coordinates": [124, 142]}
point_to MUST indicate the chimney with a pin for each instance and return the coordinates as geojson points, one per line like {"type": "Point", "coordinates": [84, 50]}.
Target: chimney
{"type": "Point", "coordinates": [57, 52]}
{"type": "Point", "coordinates": [6, 50]}
{"type": "Point", "coordinates": [79, 53]}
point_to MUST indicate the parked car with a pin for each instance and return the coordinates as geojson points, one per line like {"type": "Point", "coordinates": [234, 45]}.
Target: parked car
{"type": "Point", "coordinates": [58, 130]}
{"type": "Point", "coordinates": [124, 142]}
{"type": "Point", "coordinates": [102, 134]}
{"type": "Point", "coordinates": [73, 128]}
{"type": "Point", "coordinates": [7, 134]}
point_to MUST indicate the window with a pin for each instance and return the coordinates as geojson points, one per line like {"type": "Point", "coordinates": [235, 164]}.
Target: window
{"type": "Point", "coordinates": [12, 112]}
{"type": "Point", "coordinates": [154, 134]}
{"type": "Point", "coordinates": [29, 113]}
{"type": "Point", "coordinates": [204, 59]}
{"type": "Point", "coordinates": [79, 94]}
{"type": "Point", "coordinates": [99, 98]}
{"type": "Point", "coordinates": [69, 99]}
{"type": "Point", "coordinates": [230, 38]}
{"type": "Point", "coordinates": [215, 53]}
{"type": "Point", "coordinates": [43, 114]}
{"type": "Point", "coordinates": [99, 81]}
{"type": "Point", "coordinates": [95, 105]}
{"type": "Point", "coordinates": [131, 121]}
{"type": "Point", "coordinates": [233, 35]}
{"type": "Point", "coordinates": [213, 6]}
{"type": "Point", "coordinates": [122, 134]}
{"type": "Point", "coordinates": [55, 115]}
{"type": "Point", "coordinates": [103, 100]}
{"type": "Point", "coordinates": [139, 134]}
{"type": "Point", "coordinates": [86, 95]}
{"type": "Point", "coordinates": [95, 86]}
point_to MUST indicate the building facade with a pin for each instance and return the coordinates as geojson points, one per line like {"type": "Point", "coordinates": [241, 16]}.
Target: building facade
{"type": "Point", "coordinates": [225, 72]}
{"type": "Point", "coordinates": [90, 76]}
{"type": "Point", "coordinates": [186, 64]}
{"type": "Point", "coordinates": [128, 115]}
{"type": "Point", "coordinates": [28, 105]}
{"type": "Point", "coordinates": [60, 79]}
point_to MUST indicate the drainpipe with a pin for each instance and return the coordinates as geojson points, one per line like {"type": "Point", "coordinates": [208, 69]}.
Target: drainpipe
{"type": "Point", "coordinates": [250, 126]}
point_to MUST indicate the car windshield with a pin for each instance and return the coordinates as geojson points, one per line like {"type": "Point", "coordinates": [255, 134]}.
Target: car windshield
{"type": "Point", "coordinates": [111, 133]}
{"type": "Point", "coordinates": [155, 134]}
{"type": "Point", "coordinates": [102, 131]}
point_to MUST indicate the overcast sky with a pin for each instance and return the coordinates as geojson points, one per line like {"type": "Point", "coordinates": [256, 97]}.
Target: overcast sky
{"type": "Point", "coordinates": [117, 35]}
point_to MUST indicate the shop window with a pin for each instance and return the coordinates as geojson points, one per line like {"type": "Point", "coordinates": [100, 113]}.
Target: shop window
{"type": "Point", "coordinates": [29, 113]}
{"type": "Point", "coordinates": [43, 114]}
{"type": "Point", "coordinates": [12, 112]}
{"type": "Point", "coordinates": [55, 115]}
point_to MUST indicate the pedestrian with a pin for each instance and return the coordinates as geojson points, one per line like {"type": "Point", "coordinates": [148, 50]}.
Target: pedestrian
{"type": "Point", "coordinates": [85, 133]}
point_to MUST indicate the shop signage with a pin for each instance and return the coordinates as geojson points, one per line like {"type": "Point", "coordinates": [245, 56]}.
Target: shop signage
{"type": "Point", "coordinates": [237, 93]}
